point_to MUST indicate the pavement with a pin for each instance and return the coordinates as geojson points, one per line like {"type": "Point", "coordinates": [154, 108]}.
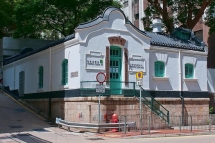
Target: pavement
{"type": "Point", "coordinates": [18, 124]}
{"type": "Point", "coordinates": [58, 135]}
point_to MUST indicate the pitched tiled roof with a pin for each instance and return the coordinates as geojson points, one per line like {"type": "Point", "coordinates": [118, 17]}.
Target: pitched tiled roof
{"type": "Point", "coordinates": [161, 39]}
{"type": "Point", "coordinates": [20, 56]}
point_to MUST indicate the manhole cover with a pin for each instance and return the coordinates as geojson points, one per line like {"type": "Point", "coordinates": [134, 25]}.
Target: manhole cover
{"type": "Point", "coordinates": [41, 130]}
{"type": "Point", "coordinates": [94, 139]}
{"type": "Point", "coordinates": [18, 126]}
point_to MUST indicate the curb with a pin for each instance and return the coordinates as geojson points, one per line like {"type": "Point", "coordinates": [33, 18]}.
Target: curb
{"type": "Point", "coordinates": [169, 135]}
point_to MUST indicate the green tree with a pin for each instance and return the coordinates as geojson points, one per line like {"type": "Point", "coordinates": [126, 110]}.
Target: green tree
{"type": "Point", "coordinates": [6, 22]}
{"type": "Point", "coordinates": [185, 13]}
{"type": "Point", "coordinates": [33, 17]}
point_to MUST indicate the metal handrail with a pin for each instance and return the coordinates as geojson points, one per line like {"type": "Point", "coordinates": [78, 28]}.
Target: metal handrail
{"type": "Point", "coordinates": [87, 90]}
{"type": "Point", "coordinates": [151, 105]}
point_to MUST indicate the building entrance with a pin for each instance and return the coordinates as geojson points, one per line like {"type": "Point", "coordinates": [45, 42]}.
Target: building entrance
{"type": "Point", "coordinates": [115, 70]}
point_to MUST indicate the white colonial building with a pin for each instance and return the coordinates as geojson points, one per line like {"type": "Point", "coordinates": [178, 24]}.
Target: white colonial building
{"type": "Point", "coordinates": [55, 78]}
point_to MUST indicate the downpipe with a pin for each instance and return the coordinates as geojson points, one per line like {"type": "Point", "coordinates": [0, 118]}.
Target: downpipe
{"type": "Point", "coordinates": [180, 88]}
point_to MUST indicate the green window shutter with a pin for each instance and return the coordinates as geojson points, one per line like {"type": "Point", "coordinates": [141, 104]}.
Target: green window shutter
{"type": "Point", "coordinates": [189, 71]}
{"type": "Point", "coordinates": [186, 71]}
{"type": "Point", "coordinates": [40, 84]}
{"type": "Point", "coordinates": [66, 72]}
{"type": "Point", "coordinates": [156, 69]}
{"type": "Point", "coordinates": [159, 69]}
{"type": "Point", "coordinates": [162, 69]}
{"type": "Point", "coordinates": [64, 80]}
{"type": "Point", "coordinates": [42, 77]}
{"type": "Point", "coordinates": [39, 78]}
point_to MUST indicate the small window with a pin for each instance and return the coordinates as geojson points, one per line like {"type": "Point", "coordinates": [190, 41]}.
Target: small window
{"type": "Point", "coordinates": [64, 65]}
{"type": "Point", "coordinates": [136, 16]}
{"type": "Point", "coordinates": [115, 52]}
{"type": "Point", "coordinates": [189, 71]}
{"type": "Point", "coordinates": [40, 84]}
{"type": "Point", "coordinates": [159, 69]}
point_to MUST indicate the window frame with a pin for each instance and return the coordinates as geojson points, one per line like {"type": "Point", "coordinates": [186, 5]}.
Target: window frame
{"type": "Point", "coordinates": [41, 75]}
{"type": "Point", "coordinates": [157, 65]}
{"type": "Point", "coordinates": [189, 75]}
{"type": "Point", "coordinates": [64, 72]}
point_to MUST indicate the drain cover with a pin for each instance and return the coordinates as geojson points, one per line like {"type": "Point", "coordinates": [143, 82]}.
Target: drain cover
{"type": "Point", "coordinates": [41, 130]}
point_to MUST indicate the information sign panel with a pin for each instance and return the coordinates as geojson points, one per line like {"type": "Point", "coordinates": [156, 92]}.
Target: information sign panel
{"type": "Point", "coordinates": [100, 88]}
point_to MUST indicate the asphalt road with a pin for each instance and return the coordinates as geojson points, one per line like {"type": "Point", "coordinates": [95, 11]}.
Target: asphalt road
{"type": "Point", "coordinates": [15, 118]}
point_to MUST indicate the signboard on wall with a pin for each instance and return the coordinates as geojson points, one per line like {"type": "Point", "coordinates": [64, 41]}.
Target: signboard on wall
{"type": "Point", "coordinates": [136, 63]}
{"type": "Point", "coordinates": [74, 74]}
{"type": "Point", "coordinates": [95, 62]}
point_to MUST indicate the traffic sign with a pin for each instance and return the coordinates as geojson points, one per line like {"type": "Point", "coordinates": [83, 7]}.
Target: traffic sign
{"type": "Point", "coordinates": [139, 82]}
{"type": "Point", "coordinates": [100, 88]}
{"type": "Point", "coordinates": [100, 77]}
{"type": "Point", "coordinates": [139, 75]}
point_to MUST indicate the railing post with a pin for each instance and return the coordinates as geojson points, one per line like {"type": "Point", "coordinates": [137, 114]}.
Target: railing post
{"type": "Point", "coordinates": [168, 117]}
{"type": "Point", "coordinates": [119, 123]}
{"type": "Point", "coordinates": [149, 125]}
{"type": "Point", "coordinates": [152, 104]}
{"type": "Point", "coordinates": [209, 122]}
{"type": "Point", "coordinates": [125, 127]}
{"type": "Point", "coordinates": [141, 118]}
{"type": "Point", "coordinates": [180, 123]}
{"type": "Point", "coordinates": [99, 112]}
{"type": "Point", "coordinates": [191, 123]}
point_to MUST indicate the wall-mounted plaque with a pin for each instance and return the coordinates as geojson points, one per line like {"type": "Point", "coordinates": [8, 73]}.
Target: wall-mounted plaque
{"type": "Point", "coordinates": [74, 74]}
{"type": "Point", "coordinates": [136, 63]}
{"type": "Point", "coordinates": [95, 62]}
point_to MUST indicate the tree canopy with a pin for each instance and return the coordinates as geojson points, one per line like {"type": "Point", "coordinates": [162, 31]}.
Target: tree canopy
{"type": "Point", "coordinates": [6, 22]}
{"type": "Point", "coordinates": [183, 13]}
{"type": "Point", "coordinates": [52, 17]}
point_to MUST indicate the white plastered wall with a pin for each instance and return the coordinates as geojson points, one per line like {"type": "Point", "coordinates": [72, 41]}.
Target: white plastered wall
{"type": "Point", "coordinates": [96, 39]}
{"type": "Point", "coordinates": [30, 65]}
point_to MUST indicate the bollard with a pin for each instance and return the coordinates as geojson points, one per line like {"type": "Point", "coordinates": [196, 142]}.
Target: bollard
{"type": "Point", "coordinates": [149, 124]}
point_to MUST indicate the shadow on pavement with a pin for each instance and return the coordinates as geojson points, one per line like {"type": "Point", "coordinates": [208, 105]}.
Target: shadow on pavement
{"type": "Point", "coordinates": [25, 137]}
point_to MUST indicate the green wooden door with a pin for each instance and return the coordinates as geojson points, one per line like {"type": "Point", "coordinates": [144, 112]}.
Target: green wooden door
{"type": "Point", "coordinates": [115, 71]}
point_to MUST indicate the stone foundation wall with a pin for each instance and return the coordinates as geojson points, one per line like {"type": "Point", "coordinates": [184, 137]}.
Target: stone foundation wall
{"type": "Point", "coordinates": [198, 108]}
{"type": "Point", "coordinates": [85, 109]}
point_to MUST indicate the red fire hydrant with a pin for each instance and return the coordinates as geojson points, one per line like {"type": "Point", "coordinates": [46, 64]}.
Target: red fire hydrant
{"type": "Point", "coordinates": [114, 119]}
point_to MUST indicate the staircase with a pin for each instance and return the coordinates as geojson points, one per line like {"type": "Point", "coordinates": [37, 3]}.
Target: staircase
{"type": "Point", "coordinates": [154, 105]}
{"type": "Point", "coordinates": [88, 88]}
